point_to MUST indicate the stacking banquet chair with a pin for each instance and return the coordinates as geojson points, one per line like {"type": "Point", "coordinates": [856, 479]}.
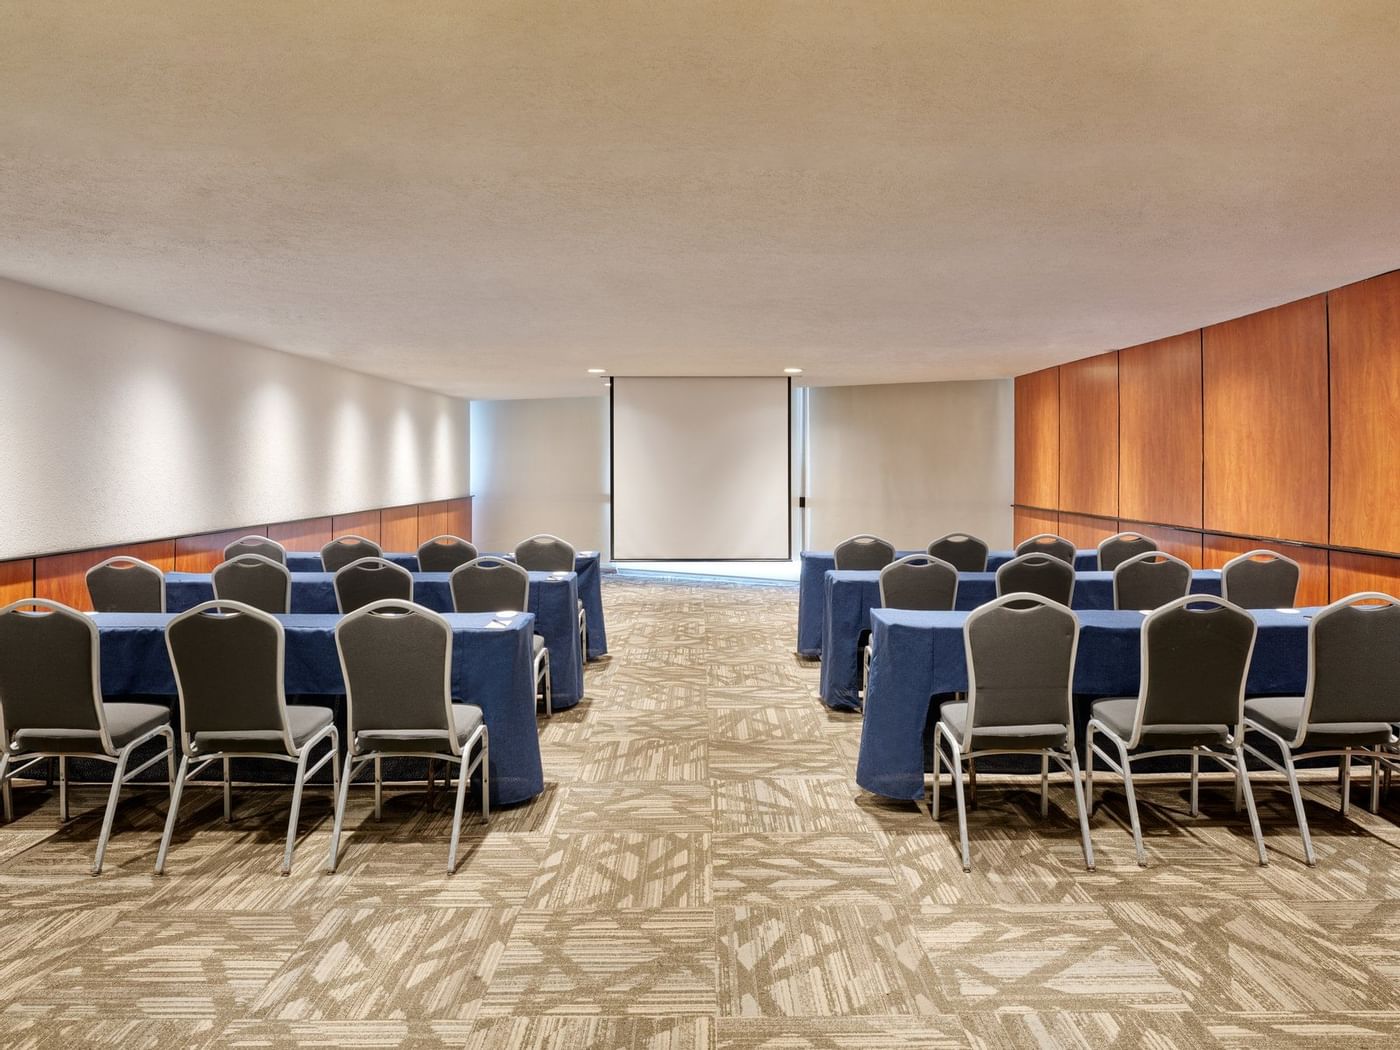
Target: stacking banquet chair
{"type": "Point", "coordinates": [546, 553]}
{"type": "Point", "coordinates": [1048, 543]}
{"type": "Point", "coordinates": [916, 581]}
{"type": "Point", "coordinates": [1261, 579]}
{"type": "Point", "coordinates": [371, 580]}
{"type": "Point", "coordinates": [495, 585]}
{"type": "Point", "coordinates": [1115, 550]}
{"type": "Point", "coordinates": [51, 706]}
{"type": "Point", "coordinates": [1020, 652]}
{"type": "Point", "coordinates": [863, 553]}
{"type": "Point", "coordinates": [269, 549]}
{"type": "Point", "coordinates": [445, 553]}
{"type": "Point", "coordinates": [1150, 579]}
{"type": "Point", "coordinates": [230, 662]}
{"type": "Point", "coordinates": [963, 552]}
{"type": "Point", "coordinates": [126, 585]}
{"type": "Point", "coordinates": [254, 580]}
{"type": "Point", "coordinates": [1042, 574]}
{"type": "Point", "coordinates": [396, 658]}
{"type": "Point", "coordinates": [343, 550]}
{"type": "Point", "coordinates": [1351, 704]}
{"type": "Point", "coordinates": [1195, 660]}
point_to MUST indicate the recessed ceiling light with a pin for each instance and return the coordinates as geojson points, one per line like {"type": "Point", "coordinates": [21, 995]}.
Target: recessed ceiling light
{"type": "Point", "coordinates": [793, 371]}
{"type": "Point", "coordinates": [597, 371]}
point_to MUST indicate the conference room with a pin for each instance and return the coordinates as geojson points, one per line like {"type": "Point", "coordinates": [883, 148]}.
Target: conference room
{"type": "Point", "coordinates": [718, 526]}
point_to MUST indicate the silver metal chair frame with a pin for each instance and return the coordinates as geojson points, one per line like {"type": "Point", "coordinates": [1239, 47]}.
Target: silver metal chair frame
{"type": "Point", "coordinates": [384, 565]}
{"type": "Point", "coordinates": [544, 679]}
{"type": "Point", "coordinates": [858, 537]}
{"type": "Point", "coordinates": [356, 760]}
{"type": "Point", "coordinates": [1259, 552]}
{"type": "Point", "coordinates": [297, 756]}
{"type": "Point", "coordinates": [232, 551]}
{"type": "Point", "coordinates": [1233, 761]}
{"type": "Point", "coordinates": [254, 559]}
{"type": "Point", "coordinates": [960, 536]}
{"type": "Point", "coordinates": [370, 545]}
{"type": "Point", "coordinates": [136, 565]}
{"type": "Point", "coordinates": [1148, 556]}
{"type": "Point", "coordinates": [582, 614]}
{"type": "Point", "coordinates": [118, 757]}
{"type": "Point", "coordinates": [1121, 536]}
{"type": "Point", "coordinates": [868, 653]}
{"type": "Point", "coordinates": [1032, 545]}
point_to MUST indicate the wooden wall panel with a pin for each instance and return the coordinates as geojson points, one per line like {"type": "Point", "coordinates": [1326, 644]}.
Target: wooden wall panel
{"type": "Point", "coordinates": [16, 580]}
{"type": "Point", "coordinates": [398, 528]}
{"type": "Point", "coordinates": [1351, 573]}
{"type": "Point", "coordinates": [1312, 585]}
{"type": "Point", "coordinates": [1364, 324]}
{"type": "Point", "coordinates": [364, 523]}
{"type": "Point", "coordinates": [309, 534]}
{"type": "Point", "coordinates": [1159, 431]}
{"type": "Point", "coordinates": [1180, 543]}
{"type": "Point", "coordinates": [1085, 531]}
{"type": "Point", "coordinates": [1089, 436]}
{"type": "Point", "coordinates": [1038, 438]}
{"type": "Point", "coordinates": [1265, 397]}
{"type": "Point", "coordinates": [1028, 523]}
{"type": "Point", "coordinates": [459, 517]}
{"type": "Point", "coordinates": [63, 577]}
{"type": "Point", "coordinates": [435, 519]}
{"type": "Point", "coordinates": [202, 553]}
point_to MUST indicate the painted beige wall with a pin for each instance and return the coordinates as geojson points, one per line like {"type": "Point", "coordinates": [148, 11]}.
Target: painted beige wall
{"type": "Point", "coordinates": [910, 462]}
{"type": "Point", "coordinates": [540, 465]}
{"type": "Point", "coordinates": [117, 427]}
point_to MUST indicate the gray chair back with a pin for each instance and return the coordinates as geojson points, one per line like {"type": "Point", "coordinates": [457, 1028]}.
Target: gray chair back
{"type": "Point", "coordinates": [919, 581]}
{"type": "Point", "coordinates": [1195, 660]}
{"type": "Point", "coordinates": [1354, 662]}
{"type": "Point", "coordinates": [50, 676]}
{"type": "Point", "coordinates": [254, 580]}
{"type": "Point", "coordinates": [545, 553]}
{"type": "Point", "coordinates": [1048, 543]}
{"type": "Point", "coordinates": [126, 585]}
{"type": "Point", "coordinates": [1020, 651]}
{"type": "Point", "coordinates": [1261, 579]}
{"type": "Point", "coordinates": [396, 658]}
{"type": "Point", "coordinates": [490, 585]}
{"type": "Point", "coordinates": [1115, 550]}
{"type": "Point", "coordinates": [1149, 580]}
{"type": "Point", "coordinates": [229, 661]}
{"type": "Point", "coordinates": [445, 553]}
{"type": "Point", "coordinates": [269, 549]}
{"type": "Point", "coordinates": [864, 553]}
{"type": "Point", "coordinates": [1042, 574]}
{"type": "Point", "coordinates": [343, 550]}
{"type": "Point", "coordinates": [371, 580]}
{"type": "Point", "coordinates": [963, 552]}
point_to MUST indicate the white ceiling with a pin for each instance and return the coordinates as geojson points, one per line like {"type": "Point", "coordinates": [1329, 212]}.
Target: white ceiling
{"type": "Point", "coordinates": [489, 198]}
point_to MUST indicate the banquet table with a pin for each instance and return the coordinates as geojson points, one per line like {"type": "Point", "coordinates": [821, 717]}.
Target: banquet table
{"type": "Point", "coordinates": [811, 588]}
{"type": "Point", "coordinates": [919, 655]}
{"type": "Point", "coordinates": [553, 600]}
{"type": "Point", "coordinates": [492, 667]}
{"type": "Point", "coordinates": [850, 596]}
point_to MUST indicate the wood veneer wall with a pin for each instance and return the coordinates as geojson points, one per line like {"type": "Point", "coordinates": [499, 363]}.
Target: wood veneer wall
{"type": "Point", "coordinates": [1279, 430]}
{"type": "Point", "coordinates": [62, 577]}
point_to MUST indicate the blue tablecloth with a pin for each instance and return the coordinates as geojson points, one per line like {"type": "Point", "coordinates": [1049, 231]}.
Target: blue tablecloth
{"type": "Point", "coordinates": [588, 565]}
{"type": "Point", "coordinates": [811, 590]}
{"type": "Point", "coordinates": [554, 601]}
{"type": "Point", "coordinates": [920, 654]}
{"type": "Point", "coordinates": [850, 596]}
{"type": "Point", "coordinates": [492, 667]}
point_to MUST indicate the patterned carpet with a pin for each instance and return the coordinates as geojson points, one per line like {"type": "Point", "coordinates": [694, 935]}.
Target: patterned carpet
{"type": "Point", "coordinates": [702, 872]}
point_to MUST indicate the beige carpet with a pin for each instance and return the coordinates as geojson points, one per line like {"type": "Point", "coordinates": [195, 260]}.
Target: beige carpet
{"type": "Point", "coordinates": [701, 872]}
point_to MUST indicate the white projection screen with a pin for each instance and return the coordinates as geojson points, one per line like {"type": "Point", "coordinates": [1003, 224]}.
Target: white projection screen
{"type": "Point", "coordinates": [700, 469]}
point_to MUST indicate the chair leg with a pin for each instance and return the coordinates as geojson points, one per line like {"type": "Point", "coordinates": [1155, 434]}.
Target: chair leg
{"type": "Point", "coordinates": [485, 768]}
{"type": "Point", "coordinates": [971, 781]}
{"type": "Point", "coordinates": [1195, 782]}
{"type": "Point", "coordinates": [955, 766]}
{"type": "Point", "coordinates": [1132, 802]}
{"type": "Point", "coordinates": [343, 795]}
{"type": "Point", "coordinates": [1242, 788]}
{"type": "Point", "coordinates": [5, 799]}
{"type": "Point", "coordinates": [1346, 782]}
{"type": "Point", "coordinates": [1081, 810]}
{"type": "Point", "coordinates": [228, 795]}
{"type": "Point", "coordinates": [462, 780]}
{"type": "Point", "coordinates": [1375, 785]}
{"type": "Point", "coordinates": [1044, 785]}
{"type": "Point", "coordinates": [935, 803]}
{"type": "Point", "coordinates": [292, 821]}
{"type": "Point", "coordinates": [432, 781]}
{"type": "Point", "coordinates": [112, 796]}
{"type": "Point", "coordinates": [170, 760]}
{"type": "Point", "coordinates": [1298, 807]}
{"type": "Point", "coordinates": [62, 790]}
{"type": "Point", "coordinates": [548, 687]}
{"type": "Point", "coordinates": [174, 811]}
{"type": "Point", "coordinates": [378, 789]}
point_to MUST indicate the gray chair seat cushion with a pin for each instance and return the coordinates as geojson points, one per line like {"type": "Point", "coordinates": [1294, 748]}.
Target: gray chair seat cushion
{"type": "Point", "coordinates": [1118, 715]}
{"type": "Point", "coordinates": [1008, 738]}
{"type": "Point", "coordinates": [466, 719]}
{"type": "Point", "coordinates": [305, 721]}
{"type": "Point", "coordinates": [539, 644]}
{"type": "Point", "coordinates": [1281, 715]}
{"type": "Point", "coordinates": [125, 722]}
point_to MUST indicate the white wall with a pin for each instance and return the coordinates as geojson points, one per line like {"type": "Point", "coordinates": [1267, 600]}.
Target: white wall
{"type": "Point", "coordinates": [910, 462]}
{"type": "Point", "coordinates": [540, 466]}
{"type": "Point", "coordinates": [117, 427]}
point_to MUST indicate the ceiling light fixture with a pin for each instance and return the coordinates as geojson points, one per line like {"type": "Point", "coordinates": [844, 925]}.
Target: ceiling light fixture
{"type": "Point", "coordinates": [597, 371]}
{"type": "Point", "coordinates": [793, 371]}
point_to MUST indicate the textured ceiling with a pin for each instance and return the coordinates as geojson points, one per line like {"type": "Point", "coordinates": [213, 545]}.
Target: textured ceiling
{"type": "Point", "coordinates": [489, 198]}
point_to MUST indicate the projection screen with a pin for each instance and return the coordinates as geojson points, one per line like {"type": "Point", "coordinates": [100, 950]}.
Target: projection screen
{"type": "Point", "coordinates": [700, 469]}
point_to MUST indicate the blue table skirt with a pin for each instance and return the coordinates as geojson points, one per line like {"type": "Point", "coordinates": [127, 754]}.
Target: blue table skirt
{"type": "Point", "coordinates": [587, 564]}
{"type": "Point", "coordinates": [554, 601]}
{"type": "Point", "coordinates": [811, 589]}
{"type": "Point", "coordinates": [492, 667]}
{"type": "Point", "coordinates": [920, 654]}
{"type": "Point", "coordinates": [850, 596]}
